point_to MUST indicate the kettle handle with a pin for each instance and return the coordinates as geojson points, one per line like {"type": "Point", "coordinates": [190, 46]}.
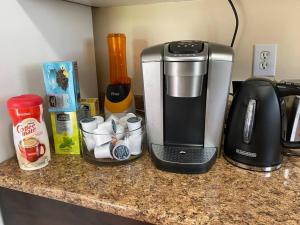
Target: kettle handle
{"type": "Point", "coordinates": [288, 88]}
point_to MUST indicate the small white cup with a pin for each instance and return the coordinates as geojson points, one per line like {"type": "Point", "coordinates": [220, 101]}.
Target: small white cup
{"type": "Point", "coordinates": [134, 124]}
{"type": "Point", "coordinates": [121, 151]}
{"type": "Point", "coordinates": [120, 131]}
{"type": "Point", "coordinates": [123, 120]}
{"type": "Point", "coordinates": [103, 151]}
{"type": "Point", "coordinates": [99, 119]}
{"type": "Point", "coordinates": [89, 142]}
{"type": "Point", "coordinates": [110, 126]}
{"type": "Point", "coordinates": [101, 136]}
{"type": "Point", "coordinates": [135, 144]}
{"type": "Point", "coordinates": [88, 125]}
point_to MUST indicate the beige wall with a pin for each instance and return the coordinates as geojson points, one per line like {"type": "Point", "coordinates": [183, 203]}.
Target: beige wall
{"type": "Point", "coordinates": [31, 33]}
{"type": "Point", "coordinates": [262, 21]}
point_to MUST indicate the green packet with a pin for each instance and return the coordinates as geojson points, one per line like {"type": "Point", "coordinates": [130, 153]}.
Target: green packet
{"type": "Point", "coordinates": [66, 132]}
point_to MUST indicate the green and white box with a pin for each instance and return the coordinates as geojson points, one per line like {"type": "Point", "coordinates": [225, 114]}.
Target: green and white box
{"type": "Point", "coordinates": [66, 132]}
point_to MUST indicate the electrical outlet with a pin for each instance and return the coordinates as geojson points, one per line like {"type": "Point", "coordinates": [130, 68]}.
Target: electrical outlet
{"type": "Point", "coordinates": [264, 60]}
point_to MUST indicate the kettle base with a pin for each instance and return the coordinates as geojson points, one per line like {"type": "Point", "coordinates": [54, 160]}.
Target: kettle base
{"type": "Point", "coordinates": [253, 168]}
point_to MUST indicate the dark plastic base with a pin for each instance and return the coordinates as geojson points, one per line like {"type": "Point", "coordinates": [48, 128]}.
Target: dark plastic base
{"type": "Point", "coordinates": [183, 159]}
{"type": "Point", "coordinates": [117, 92]}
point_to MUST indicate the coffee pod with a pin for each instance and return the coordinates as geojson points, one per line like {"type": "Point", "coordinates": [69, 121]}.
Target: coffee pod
{"type": "Point", "coordinates": [112, 117]}
{"type": "Point", "coordinates": [88, 125]}
{"type": "Point", "coordinates": [99, 119]}
{"type": "Point", "coordinates": [121, 151]}
{"type": "Point", "coordinates": [101, 136]}
{"type": "Point", "coordinates": [130, 115]}
{"type": "Point", "coordinates": [123, 120]}
{"type": "Point", "coordinates": [134, 124]}
{"type": "Point", "coordinates": [120, 131]}
{"type": "Point", "coordinates": [109, 126]}
{"type": "Point", "coordinates": [89, 142]}
{"type": "Point", "coordinates": [135, 144]}
{"type": "Point", "coordinates": [103, 151]}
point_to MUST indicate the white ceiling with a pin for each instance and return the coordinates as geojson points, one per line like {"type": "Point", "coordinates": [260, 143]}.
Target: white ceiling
{"type": "Point", "coordinates": [108, 3]}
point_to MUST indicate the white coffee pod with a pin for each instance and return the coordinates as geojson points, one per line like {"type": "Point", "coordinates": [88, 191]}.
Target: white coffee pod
{"type": "Point", "coordinates": [135, 144]}
{"type": "Point", "coordinates": [109, 126]}
{"type": "Point", "coordinates": [99, 119]}
{"type": "Point", "coordinates": [103, 151]}
{"type": "Point", "coordinates": [134, 124]}
{"type": "Point", "coordinates": [89, 142]}
{"type": "Point", "coordinates": [101, 136]}
{"type": "Point", "coordinates": [130, 115]}
{"type": "Point", "coordinates": [120, 131]}
{"type": "Point", "coordinates": [88, 125]}
{"type": "Point", "coordinates": [123, 120]}
{"type": "Point", "coordinates": [112, 117]}
{"type": "Point", "coordinates": [121, 151]}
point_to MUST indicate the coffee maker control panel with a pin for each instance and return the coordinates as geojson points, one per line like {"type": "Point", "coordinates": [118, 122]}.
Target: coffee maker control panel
{"type": "Point", "coordinates": [186, 51]}
{"type": "Point", "coordinates": [186, 47]}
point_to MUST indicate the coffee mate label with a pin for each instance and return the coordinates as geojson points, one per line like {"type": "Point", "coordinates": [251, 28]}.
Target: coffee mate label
{"type": "Point", "coordinates": [28, 127]}
{"type": "Point", "coordinates": [31, 144]}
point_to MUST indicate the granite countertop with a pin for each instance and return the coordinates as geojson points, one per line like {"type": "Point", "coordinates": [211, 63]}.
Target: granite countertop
{"type": "Point", "coordinates": [224, 195]}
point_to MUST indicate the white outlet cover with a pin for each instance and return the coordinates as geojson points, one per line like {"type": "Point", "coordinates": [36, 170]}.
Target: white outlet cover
{"type": "Point", "coordinates": [264, 54]}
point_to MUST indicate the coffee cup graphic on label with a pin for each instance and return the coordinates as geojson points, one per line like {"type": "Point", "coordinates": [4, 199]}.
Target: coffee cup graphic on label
{"type": "Point", "coordinates": [31, 149]}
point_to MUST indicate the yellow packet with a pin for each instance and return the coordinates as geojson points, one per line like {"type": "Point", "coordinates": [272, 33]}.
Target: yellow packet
{"type": "Point", "coordinates": [90, 106]}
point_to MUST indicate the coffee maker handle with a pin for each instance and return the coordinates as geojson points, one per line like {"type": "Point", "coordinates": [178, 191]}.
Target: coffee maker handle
{"type": "Point", "coordinates": [287, 89]}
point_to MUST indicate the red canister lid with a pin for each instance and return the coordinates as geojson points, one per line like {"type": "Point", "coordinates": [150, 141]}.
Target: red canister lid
{"type": "Point", "coordinates": [24, 101]}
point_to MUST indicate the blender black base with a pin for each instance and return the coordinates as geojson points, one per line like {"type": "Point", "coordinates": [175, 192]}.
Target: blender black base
{"type": "Point", "coordinates": [183, 159]}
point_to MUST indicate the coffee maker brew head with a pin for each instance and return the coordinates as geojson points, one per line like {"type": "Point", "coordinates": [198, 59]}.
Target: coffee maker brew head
{"type": "Point", "coordinates": [186, 85]}
{"type": "Point", "coordinates": [185, 78]}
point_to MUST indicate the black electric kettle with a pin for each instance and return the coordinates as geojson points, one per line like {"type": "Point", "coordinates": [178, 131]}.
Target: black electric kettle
{"type": "Point", "coordinates": [256, 126]}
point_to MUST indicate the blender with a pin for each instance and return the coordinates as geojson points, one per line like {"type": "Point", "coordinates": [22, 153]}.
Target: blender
{"type": "Point", "coordinates": [119, 98]}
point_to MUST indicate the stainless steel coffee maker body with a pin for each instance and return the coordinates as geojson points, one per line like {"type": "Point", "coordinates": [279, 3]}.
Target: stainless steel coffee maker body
{"type": "Point", "coordinates": [186, 86]}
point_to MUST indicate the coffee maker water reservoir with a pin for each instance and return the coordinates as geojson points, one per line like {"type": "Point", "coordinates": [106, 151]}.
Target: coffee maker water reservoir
{"type": "Point", "coordinates": [186, 86]}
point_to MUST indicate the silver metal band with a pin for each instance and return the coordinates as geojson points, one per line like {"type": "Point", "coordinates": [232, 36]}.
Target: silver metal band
{"type": "Point", "coordinates": [254, 168]}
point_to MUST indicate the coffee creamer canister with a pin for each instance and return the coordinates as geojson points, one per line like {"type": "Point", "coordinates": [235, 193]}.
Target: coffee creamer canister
{"type": "Point", "coordinates": [29, 131]}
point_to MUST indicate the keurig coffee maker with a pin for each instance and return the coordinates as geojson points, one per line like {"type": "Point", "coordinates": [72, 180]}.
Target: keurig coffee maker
{"type": "Point", "coordinates": [186, 85]}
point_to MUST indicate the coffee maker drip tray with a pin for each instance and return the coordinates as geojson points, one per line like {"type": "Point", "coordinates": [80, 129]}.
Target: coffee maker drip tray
{"type": "Point", "coordinates": [183, 159]}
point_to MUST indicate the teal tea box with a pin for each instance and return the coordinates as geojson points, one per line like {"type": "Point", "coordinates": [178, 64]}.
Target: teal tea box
{"type": "Point", "coordinates": [62, 86]}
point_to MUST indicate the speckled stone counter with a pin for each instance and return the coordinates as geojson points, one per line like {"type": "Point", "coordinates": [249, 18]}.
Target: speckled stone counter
{"type": "Point", "coordinates": [225, 195]}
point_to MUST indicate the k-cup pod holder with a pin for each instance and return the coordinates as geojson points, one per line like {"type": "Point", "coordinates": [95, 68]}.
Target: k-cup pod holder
{"type": "Point", "coordinates": [114, 140]}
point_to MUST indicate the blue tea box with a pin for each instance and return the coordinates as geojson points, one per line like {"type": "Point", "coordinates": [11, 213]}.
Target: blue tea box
{"type": "Point", "coordinates": [62, 86]}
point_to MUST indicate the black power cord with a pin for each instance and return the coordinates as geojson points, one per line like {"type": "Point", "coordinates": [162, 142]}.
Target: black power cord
{"type": "Point", "coordinates": [236, 22]}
